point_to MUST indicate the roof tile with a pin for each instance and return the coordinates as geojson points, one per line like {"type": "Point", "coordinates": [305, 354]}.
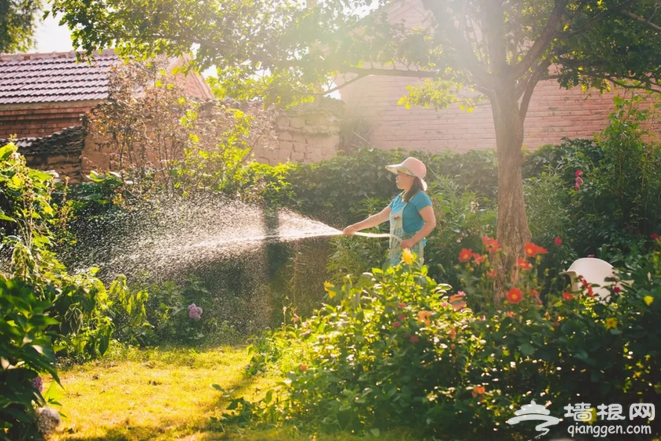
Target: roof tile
{"type": "Point", "coordinates": [56, 77]}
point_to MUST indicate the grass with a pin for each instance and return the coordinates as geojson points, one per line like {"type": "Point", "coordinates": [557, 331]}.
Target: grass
{"type": "Point", "coordinates": [166, 394]}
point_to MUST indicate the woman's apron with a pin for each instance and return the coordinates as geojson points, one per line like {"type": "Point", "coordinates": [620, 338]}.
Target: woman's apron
{"type": "Point", "coordinates": [397, 234]}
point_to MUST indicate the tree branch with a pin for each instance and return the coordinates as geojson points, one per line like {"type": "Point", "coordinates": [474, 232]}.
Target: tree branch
{"type": "Point", "coordinates": [642, 20]}
{"type": "Point", "coordinates": [334, 89]}
{"type": "Point", "coordinates": [537, 74]}
{"type": "Point", "coordinates": [541, 43]}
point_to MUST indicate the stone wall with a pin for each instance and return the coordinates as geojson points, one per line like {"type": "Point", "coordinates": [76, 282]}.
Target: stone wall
{"type": "Point", "coordinates": [306, 133]}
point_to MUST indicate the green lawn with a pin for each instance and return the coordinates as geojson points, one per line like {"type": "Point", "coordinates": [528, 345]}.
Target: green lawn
{"type": "Point", "coordinates": [165, 395]}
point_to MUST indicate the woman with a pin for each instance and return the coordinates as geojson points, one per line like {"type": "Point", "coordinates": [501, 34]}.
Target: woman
{"type": "Point", "coordinates": [410, 213]}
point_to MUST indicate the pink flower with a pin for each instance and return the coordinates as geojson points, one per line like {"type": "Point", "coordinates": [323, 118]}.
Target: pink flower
{"type": "Point", "coordinates": [557, 241]}
{"type": "Point", "coordinates": [578, 173]}
{"type": "Point", "coordinates": [194, 312]}
{"type": "Point", "coordinates": [654, 236]}
{"type": "Point", "coordinates": [397, 324]}
{"type": "Point", "coordinates": [579, 181]}
{"type": "Point", "coordinates": [577, 187]}
{"type": "Point", "coordinates": [414, 339]}
{"type": "Point", "coordinates": [38, 384]}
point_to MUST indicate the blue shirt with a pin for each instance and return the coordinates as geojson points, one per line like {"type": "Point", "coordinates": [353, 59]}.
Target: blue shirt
{"type": "Point", "coordinates": [411, 219]}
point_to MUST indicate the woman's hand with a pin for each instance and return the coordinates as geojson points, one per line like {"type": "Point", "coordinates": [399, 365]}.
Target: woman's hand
{"type": "Point", "coordinates": [350, 230]}
{"type": "Point", "coordinates": [406, 243]}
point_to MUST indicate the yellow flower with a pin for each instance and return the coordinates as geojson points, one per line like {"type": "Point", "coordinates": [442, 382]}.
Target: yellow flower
{"type": "Point", "coordinates": [330, 289]}
{"type": "Point", "coordinates": [611, 323]}
{"type": "Point", "coordinates": [407, 256]}
{"type": "Point", "coordinates": [648, 300]}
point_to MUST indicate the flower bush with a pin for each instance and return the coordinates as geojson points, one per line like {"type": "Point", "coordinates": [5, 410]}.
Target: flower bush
{"type": "Point", "coordinates": [398, 349]}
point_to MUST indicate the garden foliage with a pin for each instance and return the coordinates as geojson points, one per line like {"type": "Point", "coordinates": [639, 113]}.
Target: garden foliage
{"type": "Point", "coordinates": [397, 349]}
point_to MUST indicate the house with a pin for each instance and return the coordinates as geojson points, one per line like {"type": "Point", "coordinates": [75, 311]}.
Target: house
{"type": "Point", "coordinates": [43, 98]}
{"type": "Point", "coordinates": [553, 113]}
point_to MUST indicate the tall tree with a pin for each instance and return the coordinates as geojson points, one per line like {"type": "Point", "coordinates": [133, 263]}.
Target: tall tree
{"type": "Point", "coordinates": [18, 19]}
{"type": "Point", "coordinates": [500, 49]}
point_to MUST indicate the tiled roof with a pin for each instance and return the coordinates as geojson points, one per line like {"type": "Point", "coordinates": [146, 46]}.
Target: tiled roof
{"type": "Point", "coordinates": [69, 141]}
{"type": "Point", "coordinates": [55, 77]}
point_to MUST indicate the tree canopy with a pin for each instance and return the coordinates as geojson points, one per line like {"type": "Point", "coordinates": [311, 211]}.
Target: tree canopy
{"type": "Point", "coordinates": [285, 51]}
{"type": "Point", "coordinates": [18, 19]}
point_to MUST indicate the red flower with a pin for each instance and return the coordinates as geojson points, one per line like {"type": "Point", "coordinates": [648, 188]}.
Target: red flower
{"type": "Point", "coordinates": [514, 295]}
{"type": "Point", "coordinates": [402, 317]}
{"type": "Point", "coordinates": [478, 390]}
{"type": "Point", "coordinates": [579, 180]}
{"type": "Point", "coordinates": [491, 245]}
{"type": "Point", "coordinates": [397, 324]}
{"type": "Point", "coordinates": [401, 305]}
{"type": "Point", "coordinates": [453, 334]}
{"type": "Point", "coordinates": [534, 293]}
{"type": "Point", "coordinates": [457, 300]}
{"type": "Point", "coordinates": [556, 323]}
{"type": "Point", "coordinates": [492, 274]}
{"type": "Point", "coordinates": [465, 255]}
{"type": "Point", "coordinates": [590, 292]}
{"type": "Point", "coordinates": [654, 236]}
{"type": "Point", "coordinates": [567, 296]}
{"type": "Point", "coordinates": [578, 173]}
{"type": "Point", "coordinates": [617, 289]}
{"type": "Point", "coordinates": [557, 241]}
{"type": "Point", "coordinates": [414, 339]}
{"type": "Point", "coordinates": [479, 258]}
{"type": "Point", "coordinates": [532, 250]}
{"type": "Point", "coordinates": [524, 264]}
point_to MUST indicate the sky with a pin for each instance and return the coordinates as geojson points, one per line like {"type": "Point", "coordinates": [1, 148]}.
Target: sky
{"type": "Point", "coordinates": [52, 38]}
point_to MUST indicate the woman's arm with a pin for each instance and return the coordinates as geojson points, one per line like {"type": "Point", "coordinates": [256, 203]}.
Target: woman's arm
{"type": "Point", "coordinates": [428, 216]}
{"type": "Point", "coordinates": [370, 222]}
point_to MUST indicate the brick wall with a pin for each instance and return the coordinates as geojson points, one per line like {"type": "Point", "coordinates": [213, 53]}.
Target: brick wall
{"type": "Point", "coordinates": [553, 113]}
{"type": "Point", "coordinates": [41, 119]}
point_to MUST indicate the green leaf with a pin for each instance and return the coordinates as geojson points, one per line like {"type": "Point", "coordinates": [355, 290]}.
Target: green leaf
{"type": "Point", "coordinates": [527, 349]}
{"type": "Point", "coordinates": [6, 151]}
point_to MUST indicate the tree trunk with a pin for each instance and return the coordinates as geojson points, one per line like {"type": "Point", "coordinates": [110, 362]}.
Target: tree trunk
{"type": "Point", "coordinates": [513, 231]}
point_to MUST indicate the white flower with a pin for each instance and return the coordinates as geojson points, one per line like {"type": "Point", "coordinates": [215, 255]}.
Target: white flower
{"type": "Point", "coordinates": [47, 420]}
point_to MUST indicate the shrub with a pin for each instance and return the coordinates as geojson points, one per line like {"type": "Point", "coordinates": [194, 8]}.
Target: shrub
{"type": "Point", "coordinates": [398, 349]}
{"type": "Point", "coordinates": [78, 303]}
{"type": "Point", "coordinates": [25, 353]}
